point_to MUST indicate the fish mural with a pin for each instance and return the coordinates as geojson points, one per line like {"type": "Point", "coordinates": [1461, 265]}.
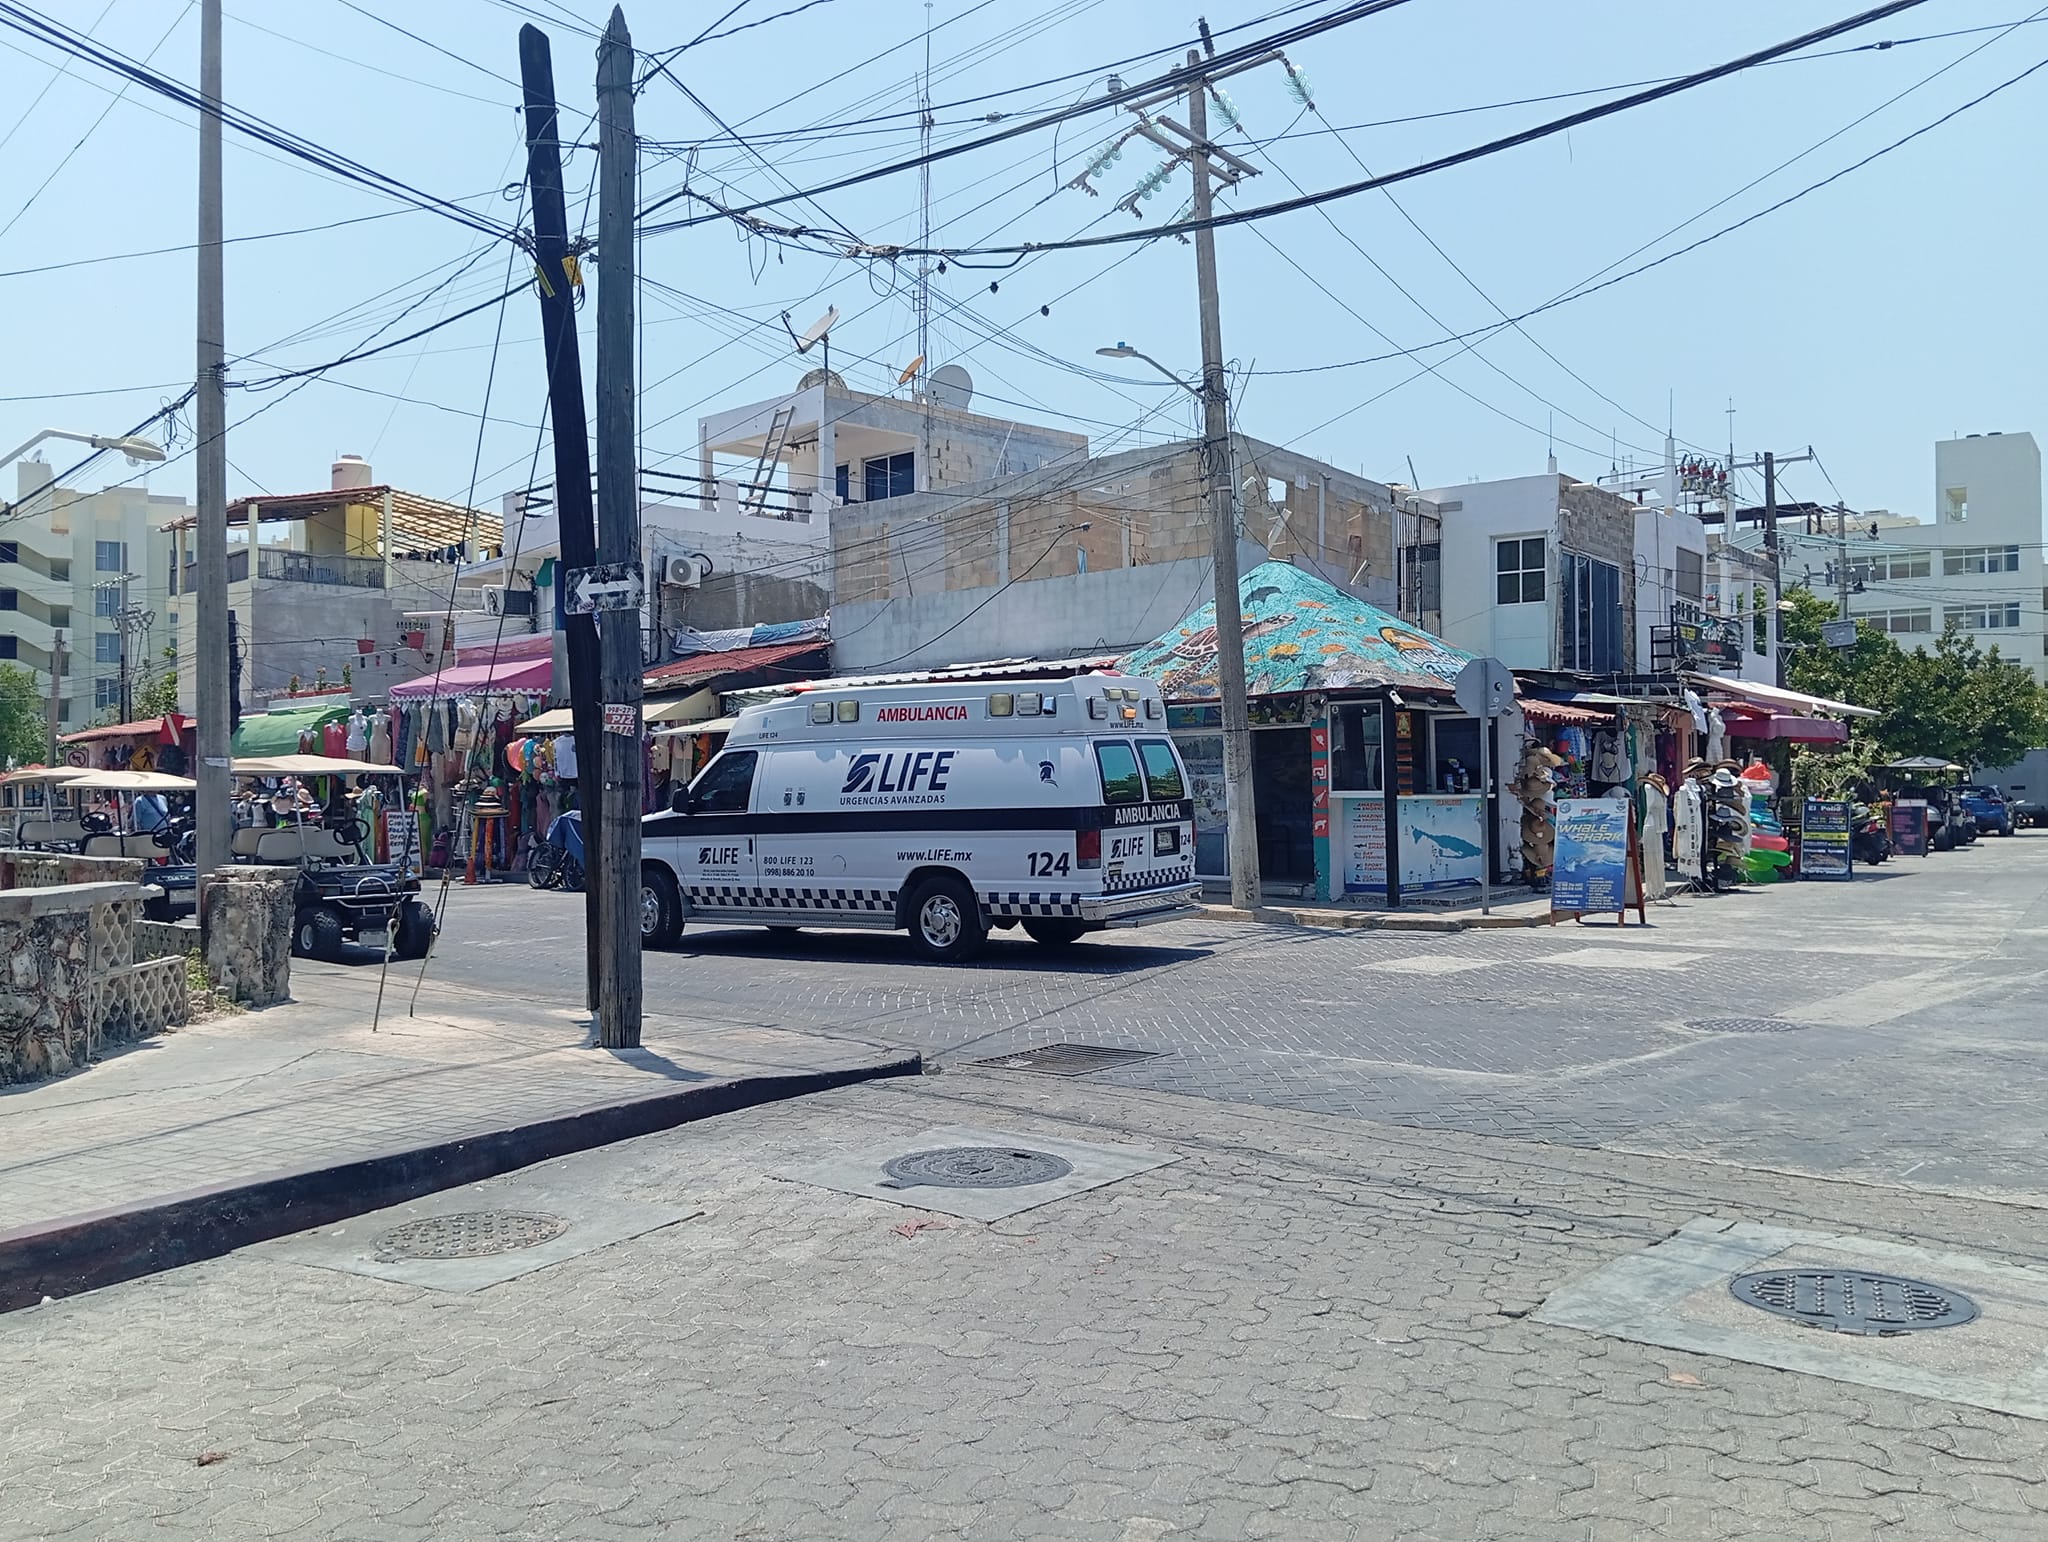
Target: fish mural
{"type": "Point", "coordinates": [1446, 845]}
{"type": "Point", "coordinates": [1301, 634]}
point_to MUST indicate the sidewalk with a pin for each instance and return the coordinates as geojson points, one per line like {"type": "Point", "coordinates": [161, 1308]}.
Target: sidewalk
{"type": "Point", "coordinates": [246, 1127]}
{"type": "Point", "coordinates": [1513, 908]}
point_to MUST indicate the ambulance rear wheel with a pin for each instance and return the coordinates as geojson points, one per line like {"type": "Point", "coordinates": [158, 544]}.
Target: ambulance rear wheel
{"type": "Point", "coordinates": [661, 908]}
{"type": "Point", "coordinates": [1055, 933]}
{"type": "Point", "coordinates": [945, 920]}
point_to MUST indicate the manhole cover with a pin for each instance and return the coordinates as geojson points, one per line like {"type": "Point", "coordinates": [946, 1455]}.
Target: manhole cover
{"type": "Point", "coordinates": [1849, 1301]}
{"type": "Point", "coordinates": [473, 1234]}
{"type": "Point", "coordinates": [1743, 1025]}
{"type": "Point", "coordinates": [1069, 1059]}
{"type": "Point", "coordinates": [975, 1167]}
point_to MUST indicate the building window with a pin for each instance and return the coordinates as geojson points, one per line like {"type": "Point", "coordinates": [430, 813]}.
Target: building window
{"type": "Point", "coordinates": [1422, 580]}
{"type": "Point", "coordinates": [1898, 621]}
{"type": "Point", "coordinates": [106, 647]}
{"type": "Point", "coordinates": [889, 476]}
{"type": "Point", "coordinates": [60, 569]}
{"type": "Point", "coordinates": [1692, 574]}
{"type": "Point", "coordinates": [109, 556]}
{"type": "Point", "coordinates": [60, 617]}
{"type": "Point", "coordinates": [1980, 559]}
{"type": "Point", "coordinates": [1355, 748]}
{"type": "Point", "coordinates": [8, 644]}
{"type": "Point", "coordinates": [10, 599]}
{"type": "Point", "coordinates": [106, 600]}
{"type": "Point", "coordinates": [1983, 618]}
{"type": "Point", "coordinates": [1589, 593]}
{"type": "Point", "coordinates": [842, 482]}
{"type": "Point", "coordinates": [10, 551]}
{"type": "Point", "coordinates": [1518, 571]}
{"type": "Point", "coordinates": [1957, 500]}
{"type": "Point", "coordinates": [105, 694]}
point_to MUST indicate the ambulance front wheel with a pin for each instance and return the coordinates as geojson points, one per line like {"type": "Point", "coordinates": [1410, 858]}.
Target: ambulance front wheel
{"type": "Point", "coordinates": [945, 920]}
{"type": "Point", "coordinates": [661, 908]}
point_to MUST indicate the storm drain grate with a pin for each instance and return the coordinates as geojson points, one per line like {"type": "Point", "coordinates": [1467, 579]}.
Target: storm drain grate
{"type": "Point", "coordinates": [974, 1167]}
{"type": "Point", "coordinates": [1850, 1301]}
{"type": "Point", "coordinates": [1743, 1025]}
{"type": "Point", "coordinates": [1069, 1059]}
{"type": "Point", "coordinates": [472, 1234]}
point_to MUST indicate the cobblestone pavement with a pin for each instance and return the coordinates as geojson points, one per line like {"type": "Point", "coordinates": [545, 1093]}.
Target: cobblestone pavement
{"type": "Point", "coordinates": [1305, 1328]}
{"type": "Point", "coordinates": [1906, 1043]}
{"type": "Point", "coordinates": [310, 1085]}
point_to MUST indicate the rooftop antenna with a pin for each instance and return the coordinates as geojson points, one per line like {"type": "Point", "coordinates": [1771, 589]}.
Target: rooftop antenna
{"type": "Point", "coordinates": [1414, 481]}
{"type": "Point", "coordinates": [1550, 443]}
{"type": "Point", "coordinates": [819, 331]}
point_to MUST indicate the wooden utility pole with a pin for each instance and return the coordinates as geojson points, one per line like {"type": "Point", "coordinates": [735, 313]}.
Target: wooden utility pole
{"type": "Point", "coordinates": [1219, 470]}
{"type": "Point", "coordinates": [617, 873]}
{"type": "Point", "coordinates": [56, 691]}
{"type": "Point", "coordinates": [211, 813]}
{"type": "Point", "coordinates": [554, 270]}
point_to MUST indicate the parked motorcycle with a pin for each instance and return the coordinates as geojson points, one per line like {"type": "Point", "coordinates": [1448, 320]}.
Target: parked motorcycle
{"type": "Point", "coordinates": [557, 862]}
{"type": "Point", "coordinates": [1870, 842]}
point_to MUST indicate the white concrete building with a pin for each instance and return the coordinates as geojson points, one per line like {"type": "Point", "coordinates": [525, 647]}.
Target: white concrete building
{"type": "Point", "coordinates": [1977, 564]}
{"type": "Point", "coordinates": [62, 557]}
{"type": "Point", "coordinates": [1547, 572]}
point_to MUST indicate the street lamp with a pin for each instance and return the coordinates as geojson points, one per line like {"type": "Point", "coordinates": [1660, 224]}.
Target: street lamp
{"type": "Point", "coordinates": [134, 446]}
{"type": "Point", "coordinates": [1240, 810]}
{"type": "Point", "coordinates": [1126, 351]}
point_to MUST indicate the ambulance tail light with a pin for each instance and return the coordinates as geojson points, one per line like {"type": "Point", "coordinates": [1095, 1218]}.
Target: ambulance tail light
{"type": "Point", "coordinates": [1088, 848]}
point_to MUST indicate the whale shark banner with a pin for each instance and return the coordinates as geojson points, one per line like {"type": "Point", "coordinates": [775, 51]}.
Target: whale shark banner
{"type": "Point", "coordinates": [1591, 871]}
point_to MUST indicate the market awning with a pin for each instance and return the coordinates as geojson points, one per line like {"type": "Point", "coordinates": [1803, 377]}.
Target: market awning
{"type": "Point", "coordinates": [654, 709]}
{"type": "Point", "coordinates": [307, 765]}
{"type": "Point", "coordinates": [556, 720]}
{"type": "Point", "coordinates": [740, 666]}
{"type": "Point", "coordinates": [499, 676]}
{"type": "Point", "coordinates": [716, 725]}
{"type": "Point", "coordinates": [166, 728]}
{"type": "Point", "coordinates": [277, 732]}
{"type": "Point", "coordinates": [1557, 712]}
{"type": "Point", "coordinates": [1773, 697]}
{"type": "Point", "coordinates": [1789, 728]}
{"type": "Point", "coordinates": [131, 781]}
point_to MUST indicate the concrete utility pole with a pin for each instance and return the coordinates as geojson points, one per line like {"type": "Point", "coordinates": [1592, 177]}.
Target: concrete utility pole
{"type": "Point", "coordinates": [210, 668]}
{"type": "Point", "coordinates": [554, 266]}
{"type": "Point", "coordinates": [618, 543]}
{"type": "Point", "coordinates": [1218, 466]}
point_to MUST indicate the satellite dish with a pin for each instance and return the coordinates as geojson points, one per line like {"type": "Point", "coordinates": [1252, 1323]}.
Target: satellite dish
{"type": "Point", "coordinates": [910, 370]}
{"type": "Point", "coordinates": [817, 329]}
{"type": "Point", "coordinates": [821, 377]}
{"type": "Point", "coordinates": [951, 386]}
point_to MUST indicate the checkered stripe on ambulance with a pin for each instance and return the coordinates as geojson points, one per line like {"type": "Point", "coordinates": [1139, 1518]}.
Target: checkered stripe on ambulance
{"type": "Point", "coordinates": [1061, 805]}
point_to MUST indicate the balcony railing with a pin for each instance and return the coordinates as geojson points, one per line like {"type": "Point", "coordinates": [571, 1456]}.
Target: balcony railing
{"type": "Point", "coordinates": [304, 567]}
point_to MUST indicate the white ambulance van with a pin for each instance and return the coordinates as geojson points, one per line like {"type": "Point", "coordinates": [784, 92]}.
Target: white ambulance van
{"type": "Point", "coordinates": [947, 808]}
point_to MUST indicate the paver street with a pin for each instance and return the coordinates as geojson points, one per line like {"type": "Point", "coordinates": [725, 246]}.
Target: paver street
{"type": "Point", "coordinates": [1913, 991]}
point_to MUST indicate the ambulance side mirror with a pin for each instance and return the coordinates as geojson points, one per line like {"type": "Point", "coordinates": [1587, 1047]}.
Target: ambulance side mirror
{"type": "Point", "coordinates": [679, 801]}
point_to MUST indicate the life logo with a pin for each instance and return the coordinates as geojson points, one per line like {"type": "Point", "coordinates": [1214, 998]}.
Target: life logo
{"type": "Point", "coordinates": [915, 774]}
{"type": "Point", "coordinates": [718, 856]}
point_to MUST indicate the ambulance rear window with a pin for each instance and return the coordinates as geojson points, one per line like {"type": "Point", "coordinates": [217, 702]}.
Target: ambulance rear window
{"type": "Point", "coordinates": [1121, 782]}
{"type": "Point", "coordinates": [1162, 771]}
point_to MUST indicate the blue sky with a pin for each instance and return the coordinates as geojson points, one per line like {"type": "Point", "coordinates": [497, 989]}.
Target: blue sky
{"type": "Point", "coordinates": [1894, 307]}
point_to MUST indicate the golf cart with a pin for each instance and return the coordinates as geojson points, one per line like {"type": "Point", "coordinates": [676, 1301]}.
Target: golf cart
{"type": "Point", "coordinates": [37, 812]}
{"type": "Point", "coordinates": [1928, 777]}
{"type": "Point", "coordinates": [342, 896]}
{"type": "Point", "coordinates": [166, 850]}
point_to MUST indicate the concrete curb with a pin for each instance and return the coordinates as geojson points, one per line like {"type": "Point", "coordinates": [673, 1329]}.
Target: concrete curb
{"type": "Point", "coordinates": [77, 1253]}
{"type": "Point", "coordinates": [1372, 920]}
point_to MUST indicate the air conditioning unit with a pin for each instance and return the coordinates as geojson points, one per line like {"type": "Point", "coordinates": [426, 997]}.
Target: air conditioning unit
{"type": "Point", "coordinates": [686, 572]}
{"type": "Point", "coordinates": [501, 601]}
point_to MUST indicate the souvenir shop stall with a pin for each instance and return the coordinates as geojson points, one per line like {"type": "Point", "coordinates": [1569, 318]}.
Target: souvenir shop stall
{"type": "Point", "coordinates": [1366, 773]}
{"type": "Point", "coordinates": [163, 744]}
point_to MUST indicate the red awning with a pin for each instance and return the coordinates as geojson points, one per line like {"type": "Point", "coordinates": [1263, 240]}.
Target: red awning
{"type": "Point", "coordinates": [1558, 713]}
{"type": "Point", "coordinates": [1788, 729]}
{"type": "Point", "coordinates": [165, 730]}
{"type": "Point", "coordinates": [797, 660]}
{"type": "Point", "coordinates": [500, 677]}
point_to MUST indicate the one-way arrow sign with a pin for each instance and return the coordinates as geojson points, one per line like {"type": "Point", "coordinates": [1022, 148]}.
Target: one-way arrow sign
{"type": "Point", "coordinates": [608, 586]}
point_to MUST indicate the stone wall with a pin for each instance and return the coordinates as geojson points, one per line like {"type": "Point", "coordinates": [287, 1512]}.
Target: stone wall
{"type": "Point", "coordinates": [66, 953]}
{"type": "Point", "coordinates": [166, 939]}
{"type": "Point", "coordinates": [245, 917]}
{"type": "Point", "coordinates": [43, 869]}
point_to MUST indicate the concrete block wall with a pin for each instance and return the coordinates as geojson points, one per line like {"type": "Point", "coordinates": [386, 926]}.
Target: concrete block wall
{"type": "Point", "coordinates": [1597, 523]}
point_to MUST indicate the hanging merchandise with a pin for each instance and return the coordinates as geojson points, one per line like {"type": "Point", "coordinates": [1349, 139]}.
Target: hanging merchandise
{"type": "Point", "coordinates": [1688, 829]}
{"type": "Point", "coordinates": [380, 738]}
{"type": "Point", "coordinates": [1533, 787]}
{"type": "Point", "coordinates": [1609, 763]}
{"type": "Point", "coordinates": [1655, 806]}
{"type": "Point", "coordinates": [334, 740]}
{"type": "Point", "coordinates": [565, 757]}
{"type": "Point", "coordinates": [357, 740]}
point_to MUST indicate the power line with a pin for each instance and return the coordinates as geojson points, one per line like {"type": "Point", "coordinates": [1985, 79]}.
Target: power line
{"type": "Point", "coordinates": [1348, 190]}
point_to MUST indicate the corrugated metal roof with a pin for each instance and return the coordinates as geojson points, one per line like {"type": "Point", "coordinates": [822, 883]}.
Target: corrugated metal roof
{"type": "Point", "coordinates": [732, 661]}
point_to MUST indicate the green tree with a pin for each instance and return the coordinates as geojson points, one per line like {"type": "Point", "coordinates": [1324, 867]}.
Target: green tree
{"type": "Point", "coordinates": [157, 694]}
{"type": "Point", "coordinates": [24, 717]}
